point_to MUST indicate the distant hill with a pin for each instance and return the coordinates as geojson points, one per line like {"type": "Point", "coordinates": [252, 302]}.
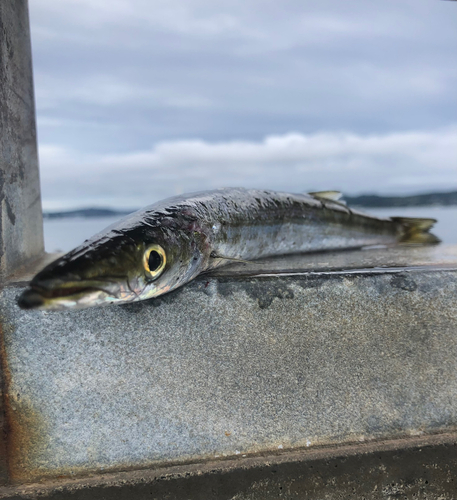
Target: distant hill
{"type": "Point", "coordinates": [417, 200]}
{"type": "Point", "coordinates": [365, 200]}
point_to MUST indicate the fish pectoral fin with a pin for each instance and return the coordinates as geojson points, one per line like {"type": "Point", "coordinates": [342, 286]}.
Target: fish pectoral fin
{"type": "Point", "coordinates": [214, 255]}
{"type": "Point", "coordinates": [416, 230]}
{"type": "Point", "coordinates": [328, 195]}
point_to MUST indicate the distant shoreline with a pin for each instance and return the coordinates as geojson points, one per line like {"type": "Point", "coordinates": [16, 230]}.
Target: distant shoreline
{"type": "Point", "coordinates": [87, 213]}
{"type": "Point", "coordinates": [417, 200]}
{"type": "Point", "coordinates": [366, 201]}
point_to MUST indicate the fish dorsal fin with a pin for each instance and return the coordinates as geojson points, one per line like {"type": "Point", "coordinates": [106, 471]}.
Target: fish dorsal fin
{"type": "Point", "coordinates": [327, 195]}
{"type": "Point", "coordinates": [333, 196]}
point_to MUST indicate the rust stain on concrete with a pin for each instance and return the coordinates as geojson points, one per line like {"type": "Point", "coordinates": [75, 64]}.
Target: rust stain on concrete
{"type": "Point", "coordinates": [22, 425]}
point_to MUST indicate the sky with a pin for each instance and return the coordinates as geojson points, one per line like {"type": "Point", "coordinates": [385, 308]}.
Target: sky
{"type": "Point", "coordinates": [138, 100]}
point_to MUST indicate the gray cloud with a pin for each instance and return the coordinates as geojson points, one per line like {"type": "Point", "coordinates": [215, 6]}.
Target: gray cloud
{"type": "Point", "coordinates": [117, 79]}
{"type": "Point", "coordinates": [397, 162]}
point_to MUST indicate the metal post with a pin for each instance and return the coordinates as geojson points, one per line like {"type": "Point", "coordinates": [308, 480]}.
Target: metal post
{"type": "Point", "coordinates": [21, 222]}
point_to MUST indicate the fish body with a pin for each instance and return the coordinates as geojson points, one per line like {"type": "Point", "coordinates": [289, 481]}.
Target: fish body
{"type": "Point", "coordinates": [169, 243]}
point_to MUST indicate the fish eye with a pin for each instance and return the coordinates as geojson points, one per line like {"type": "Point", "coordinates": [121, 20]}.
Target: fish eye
{"type": "Point", "coordinates": [154, 260]}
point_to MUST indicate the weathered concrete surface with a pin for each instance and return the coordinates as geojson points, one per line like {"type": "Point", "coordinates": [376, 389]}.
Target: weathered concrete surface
{"type": "Point", "coordinates": [232, 365]}
{"type": "Point", "coordinates": [21, 225]}
{"type": "Point", "coordinates": [381, 471]}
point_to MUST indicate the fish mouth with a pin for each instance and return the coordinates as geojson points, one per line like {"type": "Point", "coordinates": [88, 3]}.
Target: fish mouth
{"type": "Point", "coordinates": [37, 297]}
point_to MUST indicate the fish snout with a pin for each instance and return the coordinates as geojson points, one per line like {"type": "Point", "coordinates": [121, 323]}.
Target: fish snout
{"type": "Point", "coordinates": [30, 299]}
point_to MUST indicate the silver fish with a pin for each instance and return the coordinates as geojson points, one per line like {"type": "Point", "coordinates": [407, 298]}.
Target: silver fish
{"type": "Point", "coordinates": [166, 245]}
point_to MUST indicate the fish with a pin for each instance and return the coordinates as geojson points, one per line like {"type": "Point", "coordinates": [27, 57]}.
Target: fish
{"type": "Point", "coordinates": [166, 245]}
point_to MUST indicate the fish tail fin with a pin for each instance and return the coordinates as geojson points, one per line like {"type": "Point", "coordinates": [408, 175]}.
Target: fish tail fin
{"type": "Point", "coordinates": [415, 230]}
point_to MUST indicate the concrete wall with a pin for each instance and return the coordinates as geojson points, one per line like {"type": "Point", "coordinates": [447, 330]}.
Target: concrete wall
{"type": "Point", "coordinates": [21, 226]}
{"type": "Point", "coordinates": [235, 364]}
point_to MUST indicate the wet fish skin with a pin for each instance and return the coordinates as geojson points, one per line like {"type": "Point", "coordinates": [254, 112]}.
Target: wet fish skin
{"type": "Point", "coordinates": [200, 232]}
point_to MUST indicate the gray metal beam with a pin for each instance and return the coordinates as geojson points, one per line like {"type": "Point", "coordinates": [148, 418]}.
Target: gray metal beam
{"type": "Point", "coordinates": [21, 225]}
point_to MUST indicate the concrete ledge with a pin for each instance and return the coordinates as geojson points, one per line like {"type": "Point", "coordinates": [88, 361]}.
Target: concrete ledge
{"type": "Point", "coordinates": [414, 468]}
{"type": "Point", "coordinates": [233, 365]}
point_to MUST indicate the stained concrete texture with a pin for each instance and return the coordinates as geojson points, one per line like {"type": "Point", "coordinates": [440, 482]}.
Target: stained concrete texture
{"type": "Point", "coordinates": [21, 225]}
{"type": "Point", "coordinates": [230, 366]}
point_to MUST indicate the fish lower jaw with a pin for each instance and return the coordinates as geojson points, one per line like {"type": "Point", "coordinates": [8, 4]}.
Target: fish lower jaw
{"type": "Point", "coordinates": [83, 298]}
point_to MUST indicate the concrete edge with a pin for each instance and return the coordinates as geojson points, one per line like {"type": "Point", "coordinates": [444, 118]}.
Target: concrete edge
{"type": "Point", "coordinates": [24, 275]}
{"type": "Point", "coordinates": [222, 466]}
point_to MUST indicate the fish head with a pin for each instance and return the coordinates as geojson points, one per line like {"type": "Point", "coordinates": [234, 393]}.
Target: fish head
{"type": "Point", "coordinates": [117, 267]}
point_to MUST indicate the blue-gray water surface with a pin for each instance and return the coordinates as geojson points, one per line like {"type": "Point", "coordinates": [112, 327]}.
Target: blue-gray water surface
{"type": "Point", "coordinates": [61, 235]}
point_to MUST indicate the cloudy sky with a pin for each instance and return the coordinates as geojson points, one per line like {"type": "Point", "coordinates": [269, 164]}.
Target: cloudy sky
{"type": "Point", "coordinates": [141, 99]}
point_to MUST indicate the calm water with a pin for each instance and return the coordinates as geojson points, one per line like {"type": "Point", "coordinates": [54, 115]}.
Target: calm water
{"type": "Point", "coordinates": [62, 235]}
